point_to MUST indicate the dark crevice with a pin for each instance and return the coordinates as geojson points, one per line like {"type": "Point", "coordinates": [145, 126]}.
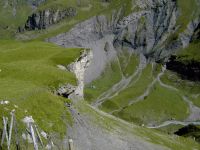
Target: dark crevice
{"type": "Point", "coordinates": [189, 131]}
{"type": "Point", "coordinates": [189, 69]}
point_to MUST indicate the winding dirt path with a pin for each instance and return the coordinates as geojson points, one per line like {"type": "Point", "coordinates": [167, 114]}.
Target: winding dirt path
{"type": "Point", "coordinates": [194, 110]}
{"type": "Point", "coordinates": [174, 122]}
{"type": "Point", "coordinates": [121, 85]}
{"type": "Point", "coordinates": [141, 97]}
{"type": "Point", "coordinates": [88, 135]}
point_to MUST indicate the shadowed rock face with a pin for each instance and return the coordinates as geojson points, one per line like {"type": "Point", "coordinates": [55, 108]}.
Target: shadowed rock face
{"type": "Point", "coordinates": [189, 131]}
{"type": "Point", "coordinates": [188, 70]}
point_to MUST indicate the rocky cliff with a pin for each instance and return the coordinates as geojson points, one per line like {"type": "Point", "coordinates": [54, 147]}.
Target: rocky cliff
{"type": "Point", "coordinates": [43, 19]}
{"type": "Point", "coordinates": [147, 31]}
{"type": "Point", "coordinates": [78, 68]}
{"type": "Point", "coordinates": [142, 31]}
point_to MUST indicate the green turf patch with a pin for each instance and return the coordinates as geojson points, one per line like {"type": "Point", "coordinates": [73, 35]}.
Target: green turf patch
{"type": "Point", "coordinates": [128, 62]}
{"type": "Point", "coordinates": [161, 105]}
{"type": "Point", "coordinates": [170, 129]}
{"type": "Point", "coordinates": [108, 78]}
{"type": "Point", "coordinates": [191, 53]}
{"type": "Point", "coordinates": [188, 88]}
{"type": "Point", "coordinates": [28, 76]}
{"type": "Point", "coordinates": [132, 92]}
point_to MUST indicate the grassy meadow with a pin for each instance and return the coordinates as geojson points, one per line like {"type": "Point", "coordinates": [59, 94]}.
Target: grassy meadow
{"type": "Point", "coordinates": [28, 77]}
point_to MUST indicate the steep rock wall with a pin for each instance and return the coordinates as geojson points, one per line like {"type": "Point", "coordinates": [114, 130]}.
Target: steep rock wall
{"type": "Point", "coordinates": [140, 31]}
{"type": "Point", "coordinates": [150, 30]}
{"type": "Point", "coordinates": [146, 31]}
{"type": "Point", "coordinates": [94, 34]}
{"type": "Point", "coordinates": [78, 68]}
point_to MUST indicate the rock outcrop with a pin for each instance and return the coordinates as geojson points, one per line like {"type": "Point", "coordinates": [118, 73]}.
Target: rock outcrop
{"type": "Point", "coordinates": [44, 19]}
{"type": "Point", "coordinates": [78, 68]}
{"type": "Point", "coordinates": [65, 90]}
{"type": "Point", "coordinates": [94, 34]}
{"type": "Point", "coordinates": [145, 33]}
{"type": "Point", "coordinates": [196, 33]}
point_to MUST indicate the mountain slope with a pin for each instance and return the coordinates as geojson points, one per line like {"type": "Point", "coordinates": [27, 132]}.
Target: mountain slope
{"type": "Point", "coordinates": [128, 71]}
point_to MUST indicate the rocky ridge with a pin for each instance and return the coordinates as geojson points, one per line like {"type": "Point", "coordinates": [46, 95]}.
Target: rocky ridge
{"type": "Point", "coordinates": [146, 31]}
{"type": "Point", "coordinates": [141, 32]}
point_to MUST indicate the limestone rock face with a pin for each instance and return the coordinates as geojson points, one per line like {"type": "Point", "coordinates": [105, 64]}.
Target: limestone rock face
{"type": "Point", "coordinates": [78, 68]}
{"type": "Point", "coordinates": [148, 30]}
{"type": "Point", "coordinates": [141, 31]}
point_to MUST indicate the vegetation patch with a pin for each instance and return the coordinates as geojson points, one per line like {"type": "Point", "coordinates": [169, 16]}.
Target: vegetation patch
{"type": "Point", "coordinates": [188, 88]}
{"type": "Point", "coordinates": [108, 78]}
{"type": "Point", "coordinates": [157, 107]}
{"type": "Point", "coordinates": [191, 53]}
{"type": "Point", "coordinates": [132, 91]}
{"type": "Point", "coordinates": [28, 77]}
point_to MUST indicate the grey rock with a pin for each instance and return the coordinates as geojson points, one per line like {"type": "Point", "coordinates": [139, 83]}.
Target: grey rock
{"type": "Point", "coordinates": [187, 35]}
{"type": "Point", "coordinates": [93, 34]}
{"type": "Point", "coordinates": [79, 68]}
{"type": "Point", "coordinates": [150, 29]}
{"type": "Point", "coordinates": [143, 32]}
{"type": "Point", "coordinates": [65, 90]}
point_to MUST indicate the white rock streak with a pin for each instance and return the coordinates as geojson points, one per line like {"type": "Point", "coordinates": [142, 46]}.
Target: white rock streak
{"type": "Point", "coordinates": [79, 68]}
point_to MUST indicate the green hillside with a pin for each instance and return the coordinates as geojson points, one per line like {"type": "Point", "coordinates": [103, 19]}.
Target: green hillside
{"type": "Point", "coordinates": [136, 97]}
{"type": "Point", "coordinates": [28, 76]}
